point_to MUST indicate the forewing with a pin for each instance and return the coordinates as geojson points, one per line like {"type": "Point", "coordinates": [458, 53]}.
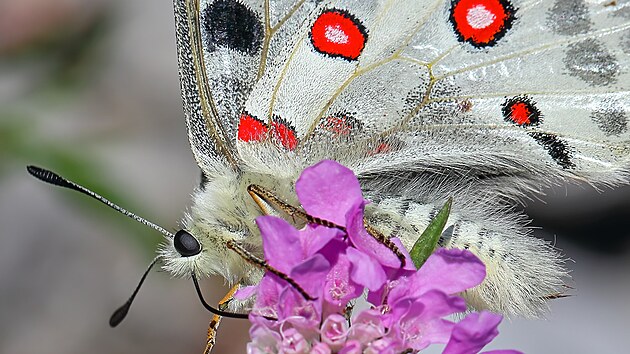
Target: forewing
{"type": "Point", "coordinates": [221, 45]}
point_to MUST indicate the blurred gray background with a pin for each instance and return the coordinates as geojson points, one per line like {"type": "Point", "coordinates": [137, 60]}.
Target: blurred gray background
{"type": "Point", "coordinates": [89, 88]}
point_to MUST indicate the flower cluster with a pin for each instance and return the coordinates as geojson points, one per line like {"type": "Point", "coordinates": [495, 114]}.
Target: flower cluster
{"type": "Point", "coordinates": [335, 266]}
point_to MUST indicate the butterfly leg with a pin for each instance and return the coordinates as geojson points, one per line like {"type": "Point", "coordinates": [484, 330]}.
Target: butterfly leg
{"type": "Point", "coordinates": [386, 241]}
{"type": "Point", "coordinates": [216, 320]}
{"type": "Point", "coordinates": [261, 195]}
{"type": "Point", "coordinates": [260, 263]}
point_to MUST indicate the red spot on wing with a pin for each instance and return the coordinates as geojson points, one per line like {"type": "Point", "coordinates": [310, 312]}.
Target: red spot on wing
{"type": "Point", "coordinates": [284, 134]}
{"type": "Point", "coordinates": [384, 146]}
{"type": "Point", "coordinates": [381, 148]}
{"type": "Point", "coordinates": [519, 113]}
{"type": "Point", "coordinates": [338, 34]}
{"type": "Point", "coordinates": [521, 110]}
{"type": "Point", "coordinates": [251, 129]}
{"type": "Point", "coordinates": [481, 22]}
{"type": "Point", "coordinates": [341, 125]}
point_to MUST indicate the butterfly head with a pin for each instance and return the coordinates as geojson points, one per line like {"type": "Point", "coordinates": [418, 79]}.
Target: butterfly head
{"type": "Point", "coordinates": [215, 217]}
{"type": "Point", "coordinates": [201, 249]}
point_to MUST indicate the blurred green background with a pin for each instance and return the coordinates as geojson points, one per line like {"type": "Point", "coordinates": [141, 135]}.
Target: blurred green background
{"type": "Point", "coordinates": [89, 88]}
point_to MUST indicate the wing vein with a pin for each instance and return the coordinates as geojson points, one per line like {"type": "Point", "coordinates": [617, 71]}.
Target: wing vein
{"type": "Point", "coordinates": [532, 50]}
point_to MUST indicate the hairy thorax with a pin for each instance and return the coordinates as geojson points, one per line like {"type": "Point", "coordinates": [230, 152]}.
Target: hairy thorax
{"type": "Point", "coordinates": [223, 210]}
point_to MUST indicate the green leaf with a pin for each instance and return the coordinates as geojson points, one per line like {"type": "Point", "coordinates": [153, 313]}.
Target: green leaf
{"type": "Point", "coordinates": [427, 242]}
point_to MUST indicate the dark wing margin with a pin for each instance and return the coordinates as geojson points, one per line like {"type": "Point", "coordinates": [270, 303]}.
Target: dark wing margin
{"type": "Point", "coordinates": [208, 138]}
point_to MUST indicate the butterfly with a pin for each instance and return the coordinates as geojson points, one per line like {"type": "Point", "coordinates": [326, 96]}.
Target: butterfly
{"type": "Point", "coordinates": [485, 101]}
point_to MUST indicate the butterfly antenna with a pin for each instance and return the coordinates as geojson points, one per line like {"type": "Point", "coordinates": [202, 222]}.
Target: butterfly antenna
{"type": "Point", "coordinates": [54, 179]}
{"type": "Point", "coordinates": [121, 312]}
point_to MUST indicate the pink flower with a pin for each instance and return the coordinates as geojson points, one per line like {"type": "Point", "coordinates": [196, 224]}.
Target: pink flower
{"type": "Point", "coordinates": [293, 342]}
{"type": "Point", "coordinates": [367, 326]}
{"type": "Point", "coordinates": [352, 347]}
{"type": "Point", "coordinates": [472, 333]}
{"type": "Point", "coordinates": [335, 267]}
{"type": "Point", "coordinates": [320, 348]}
{"type": "Point", "coordinates": [334, 331]}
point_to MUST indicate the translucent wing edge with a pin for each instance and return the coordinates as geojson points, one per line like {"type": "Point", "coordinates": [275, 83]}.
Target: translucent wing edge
{"type": "Point", "coordinates": [207, 137]}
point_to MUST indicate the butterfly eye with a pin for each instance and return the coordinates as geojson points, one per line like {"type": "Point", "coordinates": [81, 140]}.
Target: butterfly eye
{"type": "Point", "coordinates": [186, 244]}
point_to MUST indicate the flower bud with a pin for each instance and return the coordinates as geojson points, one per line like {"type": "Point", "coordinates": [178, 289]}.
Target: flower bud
{"type": "Point", "coordinates": [352, 347]}
{"type": "Point", "coordinates": [293, 342]}
{"type": "Point", "coordinates": [334, 331]}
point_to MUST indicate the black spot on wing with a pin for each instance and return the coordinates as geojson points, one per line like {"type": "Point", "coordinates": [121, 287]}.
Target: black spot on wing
{"type": "Point", "coordinates": [233, 25]}
{"type": "Point", "coordinates": [591, 62]}
{"type": "Point", "coordinates": [556, 148]}
{"type": "Point", "coordinates": [611, 118]}
{"type": "Point", "coordinates": [569, 17]}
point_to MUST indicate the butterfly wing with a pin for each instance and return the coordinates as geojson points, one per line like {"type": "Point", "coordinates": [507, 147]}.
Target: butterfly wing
{"type": "Point", "coordinates": [218, 64]}
{"type": "Point", "coordinates": [540, 93]}
{"type": "Point", "coordinates": [224, 48]}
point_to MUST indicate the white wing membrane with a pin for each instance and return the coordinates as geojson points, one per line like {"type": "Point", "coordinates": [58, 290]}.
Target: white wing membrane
{"type": "Point", "coordinates": [414, 74]}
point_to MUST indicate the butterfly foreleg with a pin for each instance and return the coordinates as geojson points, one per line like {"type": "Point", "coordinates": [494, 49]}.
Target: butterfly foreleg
{"type": "Point", "coordinates": [263, 196]}
{"type": "Point", "coordinates": [386, 241]}
{"type": "Point", "coordinates": [216, 320]}
{"type": "Point", "coordinates": [262, 264]}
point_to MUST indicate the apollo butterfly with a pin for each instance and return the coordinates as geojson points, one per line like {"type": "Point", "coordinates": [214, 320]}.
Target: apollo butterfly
{"type": "Point", "coordinates": [486, 101]}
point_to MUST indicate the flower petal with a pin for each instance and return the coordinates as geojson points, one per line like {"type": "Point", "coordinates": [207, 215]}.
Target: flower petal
{"type": "Point", "coordinates": [334, 331]}
{"type": "Point", "coordinates": [448, 270]}
{"type": "Point", "coordinates": [264, 340]}
{"type": "Point", "coordinates": [422, 325]}
{"type": "Point", "coordinates": [320, 348]}
{"type": "Point", "coordinates": [367, 326]}
{"type": "Point", "coordinates": [409, 266]}
{"type": "Point", "coordinates": [293, 342]}
{"type": "Point", "coordinates": [352, 347]}
{"type": "Point", "coordinates": [281, 243]}
{"type": "Point", "coordinates": [362, 240]}
{"type": "Point", "coordinates": [339, 288]}
{"type": "Point", "coordinates": [366, 270]}
{"type": "Point", "coordinates": [438, 304]}
{"type": "Point", "coordinates": [245, 292]}
{"type": "Point", "coordinates": [472, 333]}
{"type": "Point", "coordinates": [316, 237]}
{"type": "Point", "coordinates": [328, 190]}
{"type": "Point", "coordinates": [383, 346]}
{"type": "Point", "coordinates": [268, 295]}
{"type": "Point", "coordinates": [292, 304]}
{"type": "Point", "coordinates": [311, 274]}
